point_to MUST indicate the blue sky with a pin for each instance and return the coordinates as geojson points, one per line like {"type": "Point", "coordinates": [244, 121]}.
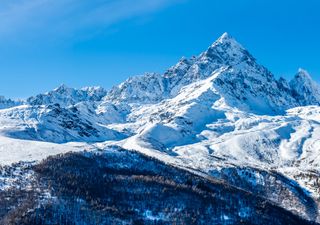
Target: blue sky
{"type": "Point", "coordinates": [44, 43]}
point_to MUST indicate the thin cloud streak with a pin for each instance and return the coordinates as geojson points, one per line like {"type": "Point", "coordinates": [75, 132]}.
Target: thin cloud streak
{"type": "Point", "coordinates": [65, 17]}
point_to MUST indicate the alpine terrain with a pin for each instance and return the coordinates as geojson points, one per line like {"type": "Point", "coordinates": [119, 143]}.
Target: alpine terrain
{"type": "Point", "coordinates": [216, 139]}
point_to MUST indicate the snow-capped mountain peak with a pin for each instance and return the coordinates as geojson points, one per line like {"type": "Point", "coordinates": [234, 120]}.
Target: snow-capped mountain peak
{"type": "Point", "coordinates": [226, 50]}
{"type": "Point", "coordinates": [304, 77]}
{"type": "Point", "coordinates": [242, 82]}
{"type": "Point", "coordinates": [62, 88]}
{"type": "Point", "coordinates": [226, 38]}
{"type": "Point", "coordinates": [303, 74]}
{"type": "Point", "coordinates": [305, 90]}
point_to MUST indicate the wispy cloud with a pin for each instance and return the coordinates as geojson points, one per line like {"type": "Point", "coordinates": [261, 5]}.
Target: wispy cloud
{"type": "Point", "coordinates": [64, 17]}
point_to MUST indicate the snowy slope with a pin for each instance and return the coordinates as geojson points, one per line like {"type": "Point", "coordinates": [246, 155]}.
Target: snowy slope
{"type": "Point", "coordinates": [198, 118]}
{"type": "Point", "coordinates": [55, 124]}
{"type": "Point", "coordinates": [15, 150]}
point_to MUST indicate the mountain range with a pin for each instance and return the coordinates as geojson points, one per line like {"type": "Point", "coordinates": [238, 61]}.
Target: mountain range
{"type": "Point", "coordinates": [215, 128]}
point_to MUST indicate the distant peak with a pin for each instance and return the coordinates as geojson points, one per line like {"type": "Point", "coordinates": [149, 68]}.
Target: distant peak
{"type": "Point", "coordinates": [225, 38]}
{"type": "Point", "coordinates": [305, 90]}
{"type": "Point", "coordinates": [61, 87]}
{"type": "Point", "coordinates": [302, 76]}
{"type": "Point", "coordinates": [303, 73]}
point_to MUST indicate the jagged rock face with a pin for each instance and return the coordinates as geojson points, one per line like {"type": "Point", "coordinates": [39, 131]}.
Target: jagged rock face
{"type": "Point", "coordinates": [304, 89]}
{"type": "Point", "coordinates": [283, 85]}
{"type": "Point", "coordinates": [253, 90]}
{"type": "Point", "coordinates": [66, 96]}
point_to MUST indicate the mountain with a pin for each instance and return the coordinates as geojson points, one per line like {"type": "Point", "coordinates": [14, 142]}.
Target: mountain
{"type": "Point", "coordinates": [8, 103]}
{"type": "Point", "coordinates": [211, 125]}
{"type": "Point", "coordinates": [239, 80]}
{"type": "Point", "coordinates": [65, 96]}
{"type": "Point", "coordinates": [62, 115]}
{"type": "Point", "coordinates": [305, 90]}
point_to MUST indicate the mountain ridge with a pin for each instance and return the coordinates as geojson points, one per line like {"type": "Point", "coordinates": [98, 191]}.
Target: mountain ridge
{"type": "Point", "coordinates": [225, 52]}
